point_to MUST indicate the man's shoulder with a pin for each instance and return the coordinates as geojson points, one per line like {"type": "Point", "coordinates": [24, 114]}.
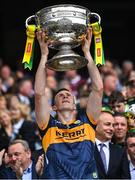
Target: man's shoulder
{"type": "Point", "coordinates": [7, 173]}
{"type": "Point", "coordinates": [117, 148]}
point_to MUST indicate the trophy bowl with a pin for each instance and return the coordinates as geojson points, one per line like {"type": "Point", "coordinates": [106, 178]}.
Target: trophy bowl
{"type": "Point", "coordinates": [65, 27]}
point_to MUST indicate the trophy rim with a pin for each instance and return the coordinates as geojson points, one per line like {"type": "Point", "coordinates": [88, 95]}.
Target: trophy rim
{"type": "Point", "coordinates": [62, 5]}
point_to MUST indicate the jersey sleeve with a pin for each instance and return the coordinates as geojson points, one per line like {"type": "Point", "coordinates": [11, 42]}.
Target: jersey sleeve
{"type": "Point", "coordinates": [51, 123]}
{"type": "Point", "coordinates": [86, 119]}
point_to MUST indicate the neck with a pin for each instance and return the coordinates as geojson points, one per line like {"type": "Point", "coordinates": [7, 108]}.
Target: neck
{"type": "Point", "coordinates": [102, 139]}
{"type": "Point", "coordinates": [25, 166]}
{"type": "Point", "coordinates": [66, 116]}
{"type": "Point", "coordinates": [120, 140]}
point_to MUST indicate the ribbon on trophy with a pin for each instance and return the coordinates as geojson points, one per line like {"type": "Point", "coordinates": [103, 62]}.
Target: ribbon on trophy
{"type": "Point", "coordinates": [29, 48]}
{"type": "Point", "coordinates": [99, 52]}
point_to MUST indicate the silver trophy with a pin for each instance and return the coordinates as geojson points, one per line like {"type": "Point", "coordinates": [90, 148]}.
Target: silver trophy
{"type": "Point", "coordinates": [65, 26]}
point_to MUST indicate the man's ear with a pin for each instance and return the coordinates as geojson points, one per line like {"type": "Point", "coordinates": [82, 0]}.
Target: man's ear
{"type": "Point", "coordinates": [54, 108]}
{"type": "Point", "coordinates": [29, 154]}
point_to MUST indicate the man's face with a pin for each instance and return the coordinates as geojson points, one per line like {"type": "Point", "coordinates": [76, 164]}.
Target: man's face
{"type": "Point", "coordinates": [64, 100]}
{"type": "Point", "coordinates": [51, 82]}
{"type": "Point", "coordinates": [131, 147]}
{"type": "Point", "coordinates": [130, 92]}
{"type": "Point", "coordinates": [3, 102]}
{"type": "Point", "coordinates": [26, 88]}
{"type": "Point", "coordinates": [110, 83]}
{"type": "Point", "coordinates": [120, 127]}
{"type": "Point", "coordinates": [105, 127]}
{"type": "Point", "coordinates": [15, 112]}
{"type": "Point", "coordinates": [5, 118]}
{"type": "Point", "coordinates": [5, 72]}
{"type": "Point", "coordinates": [71, 74]}
{"type": "Point", "coordinates": [18, 154]}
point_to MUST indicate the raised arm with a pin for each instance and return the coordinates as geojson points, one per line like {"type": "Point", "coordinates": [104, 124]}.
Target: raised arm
{"type": "Point", "coordinates": [94, 104]}
{"type": "Point", "coordinates": [42, 107]}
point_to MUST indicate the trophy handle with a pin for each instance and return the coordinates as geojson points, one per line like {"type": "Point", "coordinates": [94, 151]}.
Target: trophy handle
{"type": "Point", "coordinates": [96, 16]}
{"type": "Point", "coordinates": [28, 20]}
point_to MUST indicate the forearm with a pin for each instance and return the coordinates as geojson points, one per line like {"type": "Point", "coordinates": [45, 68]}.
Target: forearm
{"type": "Point", "coordinates": [42, 107]}
{"type": "Point", "coordinates": [40, 78]}
{"type": "Point", "coordinates": [94, 103]}
{"type": "Point", "coordinates": [94, 73]}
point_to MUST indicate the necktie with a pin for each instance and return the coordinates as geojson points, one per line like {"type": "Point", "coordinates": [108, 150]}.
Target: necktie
{"type": "Point", "coordinates": [102, 154]}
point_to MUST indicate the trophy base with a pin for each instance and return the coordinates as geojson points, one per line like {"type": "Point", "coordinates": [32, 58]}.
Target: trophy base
{"type": "Point", "coordinates": [66, 59]}
{"type": "Point", "coordinates": [67, 62]}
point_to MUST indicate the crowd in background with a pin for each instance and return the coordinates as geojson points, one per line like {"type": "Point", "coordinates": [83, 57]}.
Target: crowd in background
{"type": "Point", "coordinates": [17, 115]}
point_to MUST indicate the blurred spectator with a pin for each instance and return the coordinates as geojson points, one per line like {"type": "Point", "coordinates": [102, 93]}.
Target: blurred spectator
{"type": "Point", "coordinates": [130, 85]}
{"type": "Point", "coordinates": [108, 67]}
{"type": "Point", "coordinates": [120, 129]}
{"type": "Point", "coordinates": [131, 152]}
{"type": "Point", "coordinates": [12, 100]}
{"type": "Point", "coordinates": [127, 67]}
{"type": "Point", "coordinates": [110, 85]}
{"type": "Point", "coordinates": [20, 164]}
{"type": "Point", "coordinates": [117, 102]}
{"type": "Point", "coordinates": [6, 128]}
{"type": "Point", "coordinates": [50, 72]}
{"type": "Point", "coordinates": [64, 84]}
{"type": "Point", "coordinates": [130, 114]}
{"type": "Point", "coordinates": [10, 84]}
{"type": "Point", "coordinates": [19, 74]}
{"type": "Point", "coordinates": [51, 84]}
{"type": "Point", "coordinates": [131, 123]}
{"type": "Point", "coordinates": [75, 81]}
{"type": "Point", "coordinates": [131, 75]}
{"type": "Point", "coordinates": [124, 92]}
{"type": "Point", "coordinates": [7, 78]}
{"type": "Point", "coordinates": [23, 128]}
{"type": "Point", "coordinates": [3, 102]}
{"type": "Point", "coordinates": [25, 92]}
{"type": "Point", "coordinates": [82, 102]}
{"type": "Point", "coordinates": [1, 87]}
{"type": "Point", "coordinates": [114, 164]}
{"type": "Point", "coordinates": [5, 72]}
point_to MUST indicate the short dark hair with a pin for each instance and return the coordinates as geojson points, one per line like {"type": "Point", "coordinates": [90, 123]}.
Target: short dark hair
{"type": "Point", "coordinates": [130, 134]}
{"type": "Point", "coordinates": [116, 97]}
{"type": "Point", "coordinates": [62, 89]}
{"type": "Point", "coordinates": [122, 114]}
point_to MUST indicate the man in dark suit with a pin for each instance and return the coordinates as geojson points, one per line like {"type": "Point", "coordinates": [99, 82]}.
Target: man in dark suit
{"type": "Point", "coordinates": [131, 152]}
{"type": "Point", "coordinates": [20, 165]}
{"type": "Point", "coordinates": [111, 160]}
